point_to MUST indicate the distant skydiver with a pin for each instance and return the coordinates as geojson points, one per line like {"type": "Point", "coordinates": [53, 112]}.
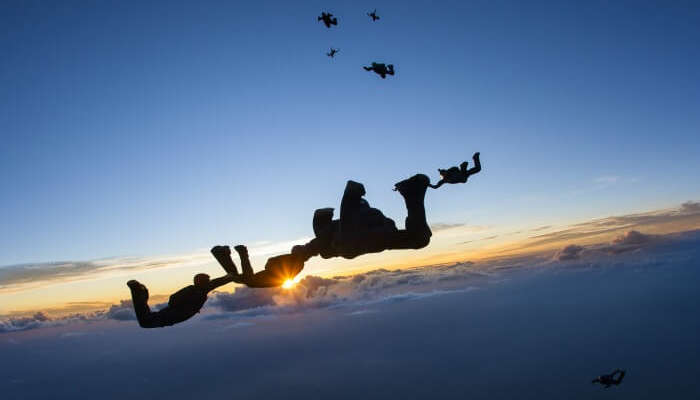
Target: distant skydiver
{"type": "Point", "coordinates": [381, 69]}
{"type": "Point", "coordinates": [458, 175]}
{"type": "Point", "coordinates": [332, 53]}
{"type": "Point", "coordinates": [609, 380]}
{"type": "Point", "coordinates": [182, 305]}
{"type": "Point", "coordinates": [373, 14]}
{"type": "Point", "coordinates": [327, 20]}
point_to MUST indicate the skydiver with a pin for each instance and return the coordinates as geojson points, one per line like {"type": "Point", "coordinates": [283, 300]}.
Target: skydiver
{"type": "Point", "coordinates": [327, 20]}
{"type": "Point", "coordinates": [332, 53]}
{"type": "Point", "coordinates": [361, 229]}
{"type": "Point", "coordinates": [182, 305]}
{"type": "Point", "coordinates": [373, 14]}
{"type": "Point", "coordinates": [609, 380]}
{"type": "Point", "coordinates": [458, 175]}
{"type": "Point", "coordinates": [381, 69]}
{"type": "Point", "coordinates": [277, 269]}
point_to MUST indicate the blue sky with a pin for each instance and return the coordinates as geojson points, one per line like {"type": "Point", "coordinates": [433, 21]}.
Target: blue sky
{"type": "Point", "coordinates": [132, 128]}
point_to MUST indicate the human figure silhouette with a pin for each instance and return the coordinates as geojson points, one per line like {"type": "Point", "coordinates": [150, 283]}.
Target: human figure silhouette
{"type": "Point", "coordinates": [361, 229]}
{"type": "Point", "coordinates": [332, 52]}
{"type": "Point", "coordinates": [373, 15]}
{"type": "Point", "coordinates": [182, 305]}
{"type": "Point", "coordinates": [458, 175]}
{"type": "Point", "coordinates": [277, 269]}
{"type": "Point", "coordinates": [609, 380]}
{"type": "Point", "coordinates": [381, 69]}
{"type": "Point", "coordinates": [328, 19]}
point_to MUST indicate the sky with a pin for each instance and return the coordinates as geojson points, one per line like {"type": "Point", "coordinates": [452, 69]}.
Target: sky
{"type": "Point", "coordinates": [138, 131]}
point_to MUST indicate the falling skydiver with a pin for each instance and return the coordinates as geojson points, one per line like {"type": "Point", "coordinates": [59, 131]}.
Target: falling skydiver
{"type": "Point", "coordinates": [182, 305]}
{"type": "Point", "coordinates": [373, 15]}
{"type": "Point", "coordinates": [361, 229]}
{"type": "Point", "coordinates": [332, 52]}
{"type": "Point", "coordinates": [609, 380]}
{"type": "Point", "coordinates": [381, 69]}
{"type": "Point", "coordinates": [458, 175]}
{"type": "Point", "coordinates": [327, 19]}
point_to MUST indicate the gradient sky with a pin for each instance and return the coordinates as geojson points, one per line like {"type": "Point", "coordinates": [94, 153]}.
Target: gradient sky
{"type": "Point", "coordinates": [140, 129]}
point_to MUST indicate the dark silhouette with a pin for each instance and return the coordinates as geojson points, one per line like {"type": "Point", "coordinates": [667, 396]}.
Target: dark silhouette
{"type": "Point", "coordinates": [182, 305]}
{"type": "Point", "coordinates": [373, 15]}
{"type": "Point", "coordinates": [381, 69]}
{"type": "Point", "coordinates": [277, 269]}
{"type": "Point", "coordinates": [361, 229]}
{"type": "Point", "coordinates": [332, 53]}
{"type": "Point", "coordinates": [458, 175]}
{"type": "Point", "coordinates": [327, 19]}
{"type": "Point", "coordinates": [609, 380]}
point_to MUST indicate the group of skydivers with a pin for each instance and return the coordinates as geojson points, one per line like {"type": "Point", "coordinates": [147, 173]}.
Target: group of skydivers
{"type": "Point", "coordinates": [380, 69]}
{"type": "Point", "coordinates": [361, 229]}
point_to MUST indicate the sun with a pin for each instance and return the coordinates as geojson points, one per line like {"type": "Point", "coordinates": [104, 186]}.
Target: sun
{"type": "Point", "coordinates": [288, 284]}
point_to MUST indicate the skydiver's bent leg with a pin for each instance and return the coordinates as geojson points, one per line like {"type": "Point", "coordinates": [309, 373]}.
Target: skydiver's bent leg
{"type": "Point", "coordinates": [144, 315]}
{"type": "Point", "coordinates": [245, 260]}
{"type": "Point", "coordinates": [417, 233]}
{"type": "Point", "coordinates": [223, 256]}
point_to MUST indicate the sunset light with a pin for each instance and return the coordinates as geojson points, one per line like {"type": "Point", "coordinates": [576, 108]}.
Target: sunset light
{"type": "Point", "coordinates": [288, 284]}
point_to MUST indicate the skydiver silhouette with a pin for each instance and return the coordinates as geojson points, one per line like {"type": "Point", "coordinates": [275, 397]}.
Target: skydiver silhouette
{"type": "Point", "coordinates": [277, 269]}
{"type": "Point", "coordinates": [360, 230]}
{"type": "Point", "coordinates": [332, 52]}
{"type": "Point", "coordinates": [458, 175]}
{"type": "Point", "coordinates": [327, 20]}
{"type": "Point", "coordinates": [182, 305]}
{"type": "Point", "coordinates": [381, 69]}
{"type": "Point", "coordinates": [609, 380]}
{"type": "Point", "coordinates": [373, 14]}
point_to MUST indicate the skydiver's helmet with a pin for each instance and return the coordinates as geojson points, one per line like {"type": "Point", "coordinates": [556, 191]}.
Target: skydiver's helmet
{"type": "Point", "coordinates": [201, 280]}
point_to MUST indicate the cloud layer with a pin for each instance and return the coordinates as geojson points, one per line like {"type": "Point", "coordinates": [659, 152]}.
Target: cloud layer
{"type": "Point", "coordinates": [355, 292]}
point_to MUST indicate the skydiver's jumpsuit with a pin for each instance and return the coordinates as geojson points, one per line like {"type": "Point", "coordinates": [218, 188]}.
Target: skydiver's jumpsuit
{"type": "Point", "coordinates": [182, 305]}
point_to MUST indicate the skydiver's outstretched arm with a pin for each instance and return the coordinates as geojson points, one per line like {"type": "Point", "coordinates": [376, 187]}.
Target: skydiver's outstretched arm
{"type": "Point", "coordinates": [477, 165]}
{"type": "Point", "coordinates": [367, 68]}
{"type": "Point", "coordinates": [216, 282]}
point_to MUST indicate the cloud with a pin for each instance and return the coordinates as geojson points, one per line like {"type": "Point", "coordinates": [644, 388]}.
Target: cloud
{"type": "Point", "coordinates": [439, 226]}
{"type": "Point", "coordinates": [626, 242]}
{"type": "Point", "coordinates": [690, 207]}
{"type": "Point", "coordinates": [541, 228]}
{"type": "Point", "coordinates": [629, 241]}
{"type": "Point", "coordinates": [570, 252]}
{"type": "Point", "coordinates": [380, 286]}
{"type": "Point", "coordinates": [124, 311]}
{"type": "Point", "coordinates": [40, 320]}
{"type": "Point", "coordinates": [688, 212]}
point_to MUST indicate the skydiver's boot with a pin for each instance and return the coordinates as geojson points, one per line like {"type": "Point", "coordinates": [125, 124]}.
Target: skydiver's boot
{"type": "Point", "coordinates": [223, 256]}
{"type": "Point", "coordinates": [390, 69]}
{"type": "Point", "coordinates": [417, 233]}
